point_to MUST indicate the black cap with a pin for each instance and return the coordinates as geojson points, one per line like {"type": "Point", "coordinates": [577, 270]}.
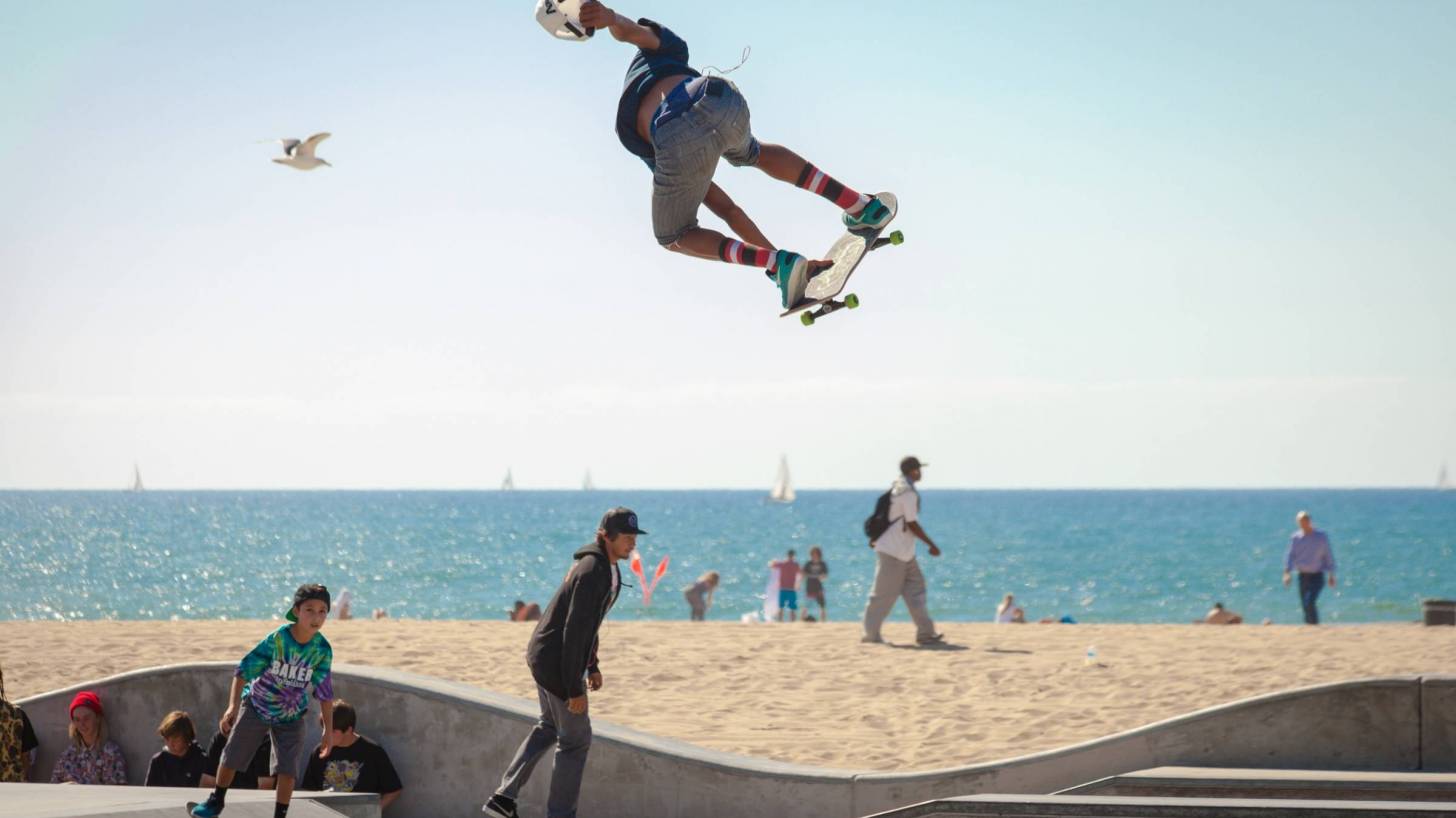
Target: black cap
{"type": "Point", "coordinates": [910, 464]}
{"type": "Point", "coordinates": [304, 594]}
{"type": "Point", "coordinates": [620, 521]}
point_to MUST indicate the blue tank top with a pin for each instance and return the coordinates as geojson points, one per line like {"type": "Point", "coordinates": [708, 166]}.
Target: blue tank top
{"type": "Point", "coordinates": [647, 67]}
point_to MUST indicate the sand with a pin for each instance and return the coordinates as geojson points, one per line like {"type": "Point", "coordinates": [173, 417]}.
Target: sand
{"type": "Point", "coordinates": [811, 693]}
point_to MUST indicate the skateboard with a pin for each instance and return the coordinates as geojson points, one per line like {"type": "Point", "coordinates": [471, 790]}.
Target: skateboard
{"type": "Point", "coordinates": [821, 295]}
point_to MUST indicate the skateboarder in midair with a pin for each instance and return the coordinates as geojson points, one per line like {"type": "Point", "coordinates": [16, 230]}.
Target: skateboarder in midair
{"type": "Point", "coordinates": [679, 122]}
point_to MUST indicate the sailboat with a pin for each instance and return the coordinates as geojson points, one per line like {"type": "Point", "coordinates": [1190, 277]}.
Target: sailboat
{"type": "Point", "coordinates": [508, 484]}
{"type": "Point", "coordinates": [136, 479]}
{"type": "Point", "coordinates": [783, 489]}
{"type": "Point", "coordinates": [1443, 480]}
{"type": "Point", "coordinates": [586, 482]}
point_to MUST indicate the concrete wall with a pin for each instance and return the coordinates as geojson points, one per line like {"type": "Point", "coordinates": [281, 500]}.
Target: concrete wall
{"type": "Point", "coordinates": [450, 743]}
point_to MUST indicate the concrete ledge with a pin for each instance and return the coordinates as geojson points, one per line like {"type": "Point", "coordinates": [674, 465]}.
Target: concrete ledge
{"type": "Point", "coordinates": [1438, 723]}
{"type": "Point", "coordinates": [1090, 806]}
{"type": "Point", "coordinates": [53, 801]}
{"type": "Point", "coordinates": [1222, 782]}
{"type": "Point", "coordinates": [451, 741]}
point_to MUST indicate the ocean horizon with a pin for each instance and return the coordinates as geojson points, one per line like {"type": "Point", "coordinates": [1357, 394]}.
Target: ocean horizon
{"type": "Point", "coordinates": [1096, 555]}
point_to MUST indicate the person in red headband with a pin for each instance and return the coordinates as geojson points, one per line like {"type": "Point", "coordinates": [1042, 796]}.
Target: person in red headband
{"type": "Point", "coordinates": [92, 757]}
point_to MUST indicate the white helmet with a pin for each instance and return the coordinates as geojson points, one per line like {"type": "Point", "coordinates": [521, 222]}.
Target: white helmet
{"type": "Point", "coordinates": [562, 19]}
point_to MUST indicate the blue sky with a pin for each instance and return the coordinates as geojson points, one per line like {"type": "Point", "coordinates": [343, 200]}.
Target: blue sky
{"type": "Point", "coordinates": [1149, 244]}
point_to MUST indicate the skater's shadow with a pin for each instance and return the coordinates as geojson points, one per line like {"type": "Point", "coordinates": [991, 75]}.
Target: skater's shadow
{"type": "Point", "coordinates": [943, 646]}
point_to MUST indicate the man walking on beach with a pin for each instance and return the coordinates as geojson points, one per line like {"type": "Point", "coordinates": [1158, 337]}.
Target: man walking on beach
{"type": "Point", "coordinates": [562, 656]}
{"type": "Point", "coordinates": [896, 571]}
{"type": "Point", "coordinates": [1310, 555]}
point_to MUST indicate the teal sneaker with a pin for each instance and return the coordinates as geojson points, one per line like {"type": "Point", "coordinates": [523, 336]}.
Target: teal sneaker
{"type": "Point", "coordinates": [874, 216]}
{"type": "Point", "coordinates": [207, 809]}
{"type": "Point", "coordinates": [792, 276]}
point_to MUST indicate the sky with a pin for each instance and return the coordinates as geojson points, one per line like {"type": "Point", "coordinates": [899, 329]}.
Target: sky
{"type": "Point", "coordinates": [1148, 245]}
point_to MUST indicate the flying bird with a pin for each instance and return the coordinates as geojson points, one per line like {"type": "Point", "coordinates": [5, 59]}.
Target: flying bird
{"type": "Point", "coordinates": [300, 154]}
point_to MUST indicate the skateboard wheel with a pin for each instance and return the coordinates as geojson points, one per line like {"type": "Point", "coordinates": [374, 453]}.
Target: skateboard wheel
{"type": "Point", "coordinates": [806, 318]}
{"type": "Point", "coordinates": [851, 301]}
{"type": "Point", "coordinates": [897, 237]}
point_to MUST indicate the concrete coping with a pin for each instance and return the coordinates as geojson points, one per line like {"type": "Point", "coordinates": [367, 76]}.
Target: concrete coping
{"type": "Point", "coordinates": [1096, 806]}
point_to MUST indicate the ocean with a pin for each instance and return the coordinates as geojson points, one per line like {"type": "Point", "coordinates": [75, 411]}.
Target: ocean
{"type": "Point", "coordinates": [1097, 556]}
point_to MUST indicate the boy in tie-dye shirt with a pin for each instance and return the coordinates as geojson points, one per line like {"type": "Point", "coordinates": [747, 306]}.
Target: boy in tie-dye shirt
{"type": "Point", "coordinates": [269, 697]}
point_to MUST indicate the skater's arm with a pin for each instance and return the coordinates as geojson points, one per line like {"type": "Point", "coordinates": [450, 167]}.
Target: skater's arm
{"type": "Point", "coordinates": [596, 15]}
{"type": "Point", "coordinates": [723, 206]}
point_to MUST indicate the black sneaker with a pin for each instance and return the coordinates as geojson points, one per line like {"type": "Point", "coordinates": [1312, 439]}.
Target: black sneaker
{"type": "Point", "coordinates": [500, 806]}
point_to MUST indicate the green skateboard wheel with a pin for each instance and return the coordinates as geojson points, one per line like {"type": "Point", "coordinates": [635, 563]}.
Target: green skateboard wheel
{"type": "Point", "coordinates": [897, 237]}
{"type": "Point", "coordinates": [851, 301]}
{"type": "Point", "coordinates": [806, 318]}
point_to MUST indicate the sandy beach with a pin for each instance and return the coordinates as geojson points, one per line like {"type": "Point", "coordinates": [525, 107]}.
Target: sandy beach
{"type": "Point", "coordinates": [811, 693]}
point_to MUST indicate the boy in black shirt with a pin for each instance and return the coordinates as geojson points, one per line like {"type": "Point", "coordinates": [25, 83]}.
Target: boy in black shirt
{"type": "Point", "coordinates": [181, 763]}
{"type": "Point", "coordinates": [355, 764]}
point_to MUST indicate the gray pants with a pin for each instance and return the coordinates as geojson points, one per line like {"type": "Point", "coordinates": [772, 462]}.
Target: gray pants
{"type": "Point", "coordinates": [247, 735]}
{"type": "Point", "coordinates": [572, 736]}
{"type": "Point", "coordinates": [687, 150]}
{"type": "Point", "coordinates": [894, 578]}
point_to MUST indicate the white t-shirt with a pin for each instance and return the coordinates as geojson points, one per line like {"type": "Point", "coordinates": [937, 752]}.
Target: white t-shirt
{"type": "Point", "coordinates": [898, 541]}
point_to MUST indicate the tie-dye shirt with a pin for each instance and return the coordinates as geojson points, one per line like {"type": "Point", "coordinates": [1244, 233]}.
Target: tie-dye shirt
{"type": "Point", "coordinates": [279, 672]}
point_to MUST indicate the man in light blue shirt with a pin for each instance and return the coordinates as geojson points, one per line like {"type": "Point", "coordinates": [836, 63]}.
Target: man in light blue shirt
{"type": "Point", "coordinates": [1310, 555]}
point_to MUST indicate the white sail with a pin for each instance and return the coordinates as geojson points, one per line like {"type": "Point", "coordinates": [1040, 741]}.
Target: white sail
{"type": "Point", "coordinates": [136, 479]}
{"type": "Point", "coordinates": [1443, 480]}
{"type": "Point", "coordinates": [508, 484]}
{"type": "Point", "coordinates": [586, 482]}
{"type": "Point", "coordinates": [783, 488]}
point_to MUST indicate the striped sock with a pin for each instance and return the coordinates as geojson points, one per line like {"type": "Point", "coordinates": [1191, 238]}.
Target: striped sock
{"type": "Point", "coordinates": [817, 181]}
{"type": "Point", "coordinates": [736, 252]}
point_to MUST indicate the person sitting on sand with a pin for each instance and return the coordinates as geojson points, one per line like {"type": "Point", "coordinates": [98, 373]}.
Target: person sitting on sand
{"type": "Point", "coordinates": [92, 757]}
{"type": "Point", "coordinates": [344, 605]}
{"type": "Point", "coordinates": [1008, 612]}
{"type": "Point", "coordinates": [700, 596]}
{"type": "Point", "coordinates": [181, 762]}
{"type": "Point", "coordinates": [521, 612]}
{"type": "Point", "coordinates": [1219, 615]}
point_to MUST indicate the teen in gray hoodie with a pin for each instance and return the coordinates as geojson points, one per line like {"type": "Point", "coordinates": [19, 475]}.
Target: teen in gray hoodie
{"type": "Point", "coordinates": [562, 655]}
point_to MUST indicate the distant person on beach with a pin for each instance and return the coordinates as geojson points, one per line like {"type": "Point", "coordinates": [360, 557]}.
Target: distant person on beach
{"type": "Point", "coordinates": [816, 571]}
{"type": "Point", "coordinates": [344, 606]}
{"type": "Point", "coordinates": [1008, 612]}
{"type": "Point", "coordinates": [1219, 615]}
{"type": "Point", "coordinates": [788, 569]}
{"type": "Point", "coordinates": [521, 612]}
{"type": "Point", "coordinates": [897, 574]}
{"type": "Point", "coordinates": [17, 741]}
{"type": "Point", "coordinates": [1310, 556]}
{"type": "Point", "coordinates": [269, 696]}
{"type": "Point", "coordinates": [256, 776]}
{"type": "Point", "coordinates": [181, 762]}
{"type": "Point", "coordinates": [91, 757]}
{"type": "Point", "coordinates": [700, 596]}
{"type": "Point", "coordinates": [562, 656]}
{"type": "Point", "coordinates": [355, 764]}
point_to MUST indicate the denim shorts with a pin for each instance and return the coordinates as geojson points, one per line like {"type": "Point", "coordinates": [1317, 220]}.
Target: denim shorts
{"type": "Point", "coordinates": [688, 148]}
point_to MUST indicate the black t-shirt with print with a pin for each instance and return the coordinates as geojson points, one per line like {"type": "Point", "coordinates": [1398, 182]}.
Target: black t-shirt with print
{"type": "Point", "coordinates": [361, 767]}
{"type": "Point", "coordinates": [167, 770]}
{"type": "Point", "coordinates": [260, 767]}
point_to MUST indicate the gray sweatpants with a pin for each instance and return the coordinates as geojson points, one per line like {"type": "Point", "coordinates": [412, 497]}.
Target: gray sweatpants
{"type": "Point", "coordinates": [572, 736]}
{"type": "Point", "coordinates": [895, 578]}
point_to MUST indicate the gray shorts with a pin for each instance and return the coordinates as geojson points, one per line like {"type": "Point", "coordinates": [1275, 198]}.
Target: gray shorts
{"type": "Point", "coordinates": [248, 734]}
{"type": "Point", "coordinates": [687, 151]}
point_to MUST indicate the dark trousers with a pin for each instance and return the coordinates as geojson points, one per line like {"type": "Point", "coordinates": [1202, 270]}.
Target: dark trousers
{"type": "Point", "coordinates": [1310, 586]}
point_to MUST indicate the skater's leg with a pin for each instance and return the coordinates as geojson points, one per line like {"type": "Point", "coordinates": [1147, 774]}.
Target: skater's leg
{"type": "Point", "coordinates": [786, 166]}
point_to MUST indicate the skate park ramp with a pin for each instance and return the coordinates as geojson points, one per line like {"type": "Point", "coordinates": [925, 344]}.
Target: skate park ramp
{"type": "Point", "coordinates": [59, 801]}
{"type": "Point", "coordinates": [450, 742]}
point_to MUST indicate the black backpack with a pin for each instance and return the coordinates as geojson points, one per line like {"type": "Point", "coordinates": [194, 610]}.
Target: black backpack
{"type": "Point", "coordinates": [879, 522]}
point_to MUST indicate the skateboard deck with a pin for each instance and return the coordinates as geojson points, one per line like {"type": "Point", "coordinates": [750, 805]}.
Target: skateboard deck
{"type": "Point", "coordinates": [821, 294]}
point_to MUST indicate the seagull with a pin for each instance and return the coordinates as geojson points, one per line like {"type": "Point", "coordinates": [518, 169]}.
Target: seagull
{"type": "Point", "coordinates": [300, 154]}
